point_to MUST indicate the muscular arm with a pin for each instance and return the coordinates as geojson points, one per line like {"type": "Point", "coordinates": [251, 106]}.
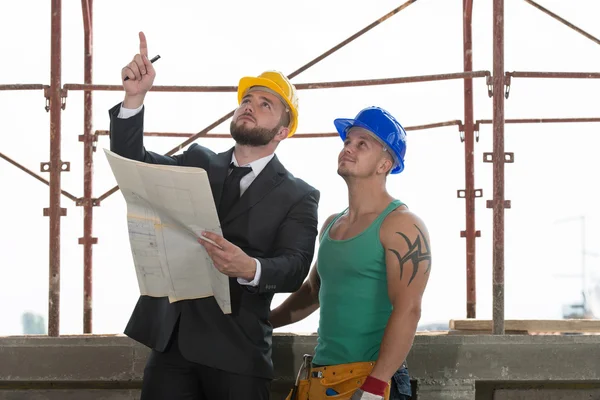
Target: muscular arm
{"type": "Point", "coordinates": [305, 300]}
{"type": "Point", "coordinates": [408, 262]}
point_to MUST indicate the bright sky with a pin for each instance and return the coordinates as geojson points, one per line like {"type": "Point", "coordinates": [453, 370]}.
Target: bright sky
{"type": "Point", "coordinates": [216, 43]}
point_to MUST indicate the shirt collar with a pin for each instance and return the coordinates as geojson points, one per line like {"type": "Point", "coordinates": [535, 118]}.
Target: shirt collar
{"type": "Point", "coordinates": [256, 165]}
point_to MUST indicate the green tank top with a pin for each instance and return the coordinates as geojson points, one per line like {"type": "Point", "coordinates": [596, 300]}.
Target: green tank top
{"type": "Point", "coordinates": [354, 302]}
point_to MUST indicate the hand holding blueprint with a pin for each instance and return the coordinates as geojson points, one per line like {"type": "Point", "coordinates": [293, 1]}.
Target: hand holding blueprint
{"type": "Point", "coordinates": [168, 207]}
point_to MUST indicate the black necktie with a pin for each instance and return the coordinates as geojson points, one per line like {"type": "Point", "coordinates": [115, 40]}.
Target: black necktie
{"type": "Point", "coordinates": [231, 189]}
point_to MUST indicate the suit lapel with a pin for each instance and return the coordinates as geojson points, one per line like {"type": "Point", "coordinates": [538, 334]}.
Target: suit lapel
{"type": "Point", "coordinates": [269, 178]}
{"type": "Point", "coordinates": [218, 168]}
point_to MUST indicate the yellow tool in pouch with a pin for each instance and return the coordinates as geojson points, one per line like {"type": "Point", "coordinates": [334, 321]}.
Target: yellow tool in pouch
{"type": "Point", "coordinates": [337, 382]}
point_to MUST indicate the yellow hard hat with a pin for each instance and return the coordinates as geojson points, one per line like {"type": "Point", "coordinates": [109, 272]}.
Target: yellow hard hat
{"type": "Point", "coordinates": [278, 83]}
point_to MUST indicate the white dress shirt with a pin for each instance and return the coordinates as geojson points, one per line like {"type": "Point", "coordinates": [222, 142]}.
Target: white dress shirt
{"type": "Point", "coordinates": [256, 165]}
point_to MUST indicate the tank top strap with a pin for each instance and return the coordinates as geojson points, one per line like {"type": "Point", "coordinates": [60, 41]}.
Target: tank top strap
{"type": "Point", "coordinates": [391, 207]}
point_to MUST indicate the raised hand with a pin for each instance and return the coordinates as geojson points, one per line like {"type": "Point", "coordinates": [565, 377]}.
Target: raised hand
{"type": "Point", "coordinates": [141, 76]}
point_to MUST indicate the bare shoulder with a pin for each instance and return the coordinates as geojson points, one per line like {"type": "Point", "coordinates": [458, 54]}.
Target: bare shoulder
{"type": "Point", "coordinates": [326, 224]}
{"type": "Point", "coordinates": [328, 220]}
{"type": "Point", "coordinates": [403, 222]}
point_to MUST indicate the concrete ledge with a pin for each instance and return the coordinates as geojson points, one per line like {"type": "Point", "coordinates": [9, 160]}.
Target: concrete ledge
{"type": "Point", "coordinates": [547, 394]}
{"type": "Point", "coordinates": [88, 394]}
{"type": "Point", "coordinates": [444, 366]}
{"type": "Point", "coordinates": [506, 358]}
{"type": "Point", "coordinates": [71, 358]}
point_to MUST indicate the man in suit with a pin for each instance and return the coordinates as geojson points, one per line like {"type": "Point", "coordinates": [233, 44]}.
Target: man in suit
{"type": "Point", "coordinates": [269, 223]}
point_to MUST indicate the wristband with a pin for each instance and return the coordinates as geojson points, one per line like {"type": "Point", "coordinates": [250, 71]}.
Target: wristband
{"type": "Point", "coordinates": [374, 385]}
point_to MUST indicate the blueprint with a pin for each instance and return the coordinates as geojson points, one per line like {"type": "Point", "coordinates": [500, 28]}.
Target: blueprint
{"type": "Point", "coordinates": [168, 207]}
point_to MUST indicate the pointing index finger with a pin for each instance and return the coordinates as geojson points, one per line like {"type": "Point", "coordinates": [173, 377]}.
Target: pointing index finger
{"type": "Point", "coordinates": [143, 45]}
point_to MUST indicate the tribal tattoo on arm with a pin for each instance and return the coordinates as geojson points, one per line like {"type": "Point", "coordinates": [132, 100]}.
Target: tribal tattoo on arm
{"type": "Point", "coordinates": [418, 251]}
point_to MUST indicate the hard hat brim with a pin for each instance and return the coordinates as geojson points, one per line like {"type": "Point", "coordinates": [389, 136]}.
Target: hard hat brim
{"type": "Point", "coordinates": [342, 125]}
{"type": "Point", "coordinates": [250, 81]}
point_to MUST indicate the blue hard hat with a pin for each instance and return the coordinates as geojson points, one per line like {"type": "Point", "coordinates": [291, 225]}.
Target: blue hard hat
{"type": "Point", "coordinates": [384, 126]}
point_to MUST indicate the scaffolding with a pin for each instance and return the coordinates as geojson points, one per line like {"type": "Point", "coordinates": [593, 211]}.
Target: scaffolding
{"type": "Point", "coordinates": [498, 83]}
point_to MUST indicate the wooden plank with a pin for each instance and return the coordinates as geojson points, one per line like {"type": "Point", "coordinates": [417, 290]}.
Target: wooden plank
{"type": "Point", "coordinates": [529, 325]}
{"type": "Point", "coordinates": [431, 333]}
{"type": "Point", "coordinates": [479, 333]}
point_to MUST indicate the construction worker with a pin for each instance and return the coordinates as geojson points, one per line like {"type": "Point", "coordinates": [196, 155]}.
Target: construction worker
{"type": "Point", "coordinates": [372, 268]}
{"type": "Point", "coordinates": [269, 222]}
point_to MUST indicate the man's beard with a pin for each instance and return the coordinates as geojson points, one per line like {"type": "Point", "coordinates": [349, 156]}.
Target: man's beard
{"type": "Point", "coordinates": [343, 172]}
{"type": "Point", "coordinates": [252, 136]}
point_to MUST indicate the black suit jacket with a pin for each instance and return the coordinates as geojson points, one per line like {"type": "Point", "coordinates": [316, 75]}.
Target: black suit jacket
{"type": "Point", "coordinates": [275, 221]}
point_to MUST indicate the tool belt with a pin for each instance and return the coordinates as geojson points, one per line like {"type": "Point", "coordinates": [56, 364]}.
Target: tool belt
{"type": "Point", "coordinates": [331, 382]}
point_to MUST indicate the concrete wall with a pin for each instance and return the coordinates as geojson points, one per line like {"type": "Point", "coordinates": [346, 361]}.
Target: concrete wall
{"type": "Point", "coordinates": [444, 367]}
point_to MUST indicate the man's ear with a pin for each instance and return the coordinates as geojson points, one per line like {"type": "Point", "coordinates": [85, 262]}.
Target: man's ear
{"type": "Point", "coordinates": [283, 133]}
{"type": "Point", "coordinates": [386, 166]}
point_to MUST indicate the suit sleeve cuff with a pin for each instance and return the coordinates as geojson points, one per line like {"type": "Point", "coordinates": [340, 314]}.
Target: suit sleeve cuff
{"type": "Point", "coordinates": [256, 279]}
{"type": "Point", "coordinates": [125, 113]}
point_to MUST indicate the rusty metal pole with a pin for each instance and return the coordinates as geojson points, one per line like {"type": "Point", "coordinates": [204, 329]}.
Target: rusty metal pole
{"type": "Point", "coordinates": [545, 75]}
{"type": "Point", "coordinates": [88, 150]}
{"type": "Point", "coordinates": [299, 86]}
{"type": "Point", "coordinates": [564, 21]}
{"type": "Point", "coordinates": [20, 86]}
{"type": "Point", "coordinates": [498, 162]}
{"type": "Point", "coordinates": [55, 171]}
{"type": "Point", "coordinates": [469, 126]}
